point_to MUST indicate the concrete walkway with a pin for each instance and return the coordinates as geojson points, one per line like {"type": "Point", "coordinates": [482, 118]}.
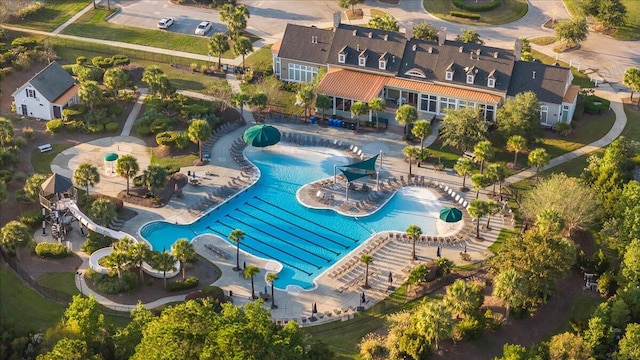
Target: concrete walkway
{"type": "Point", "coordinates": [135, 111]}
{"type": "Point", "coordinates": [75, 17]}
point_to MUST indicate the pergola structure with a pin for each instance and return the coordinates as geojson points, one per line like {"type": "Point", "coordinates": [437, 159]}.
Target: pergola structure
{"type": "Point", "coordinates": [55, 188]}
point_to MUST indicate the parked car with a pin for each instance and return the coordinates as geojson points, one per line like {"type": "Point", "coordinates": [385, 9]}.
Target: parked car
{"type": "Point", "coordinates": [165, 23]}
{"type": "Point", "coordinates": [203, 28]}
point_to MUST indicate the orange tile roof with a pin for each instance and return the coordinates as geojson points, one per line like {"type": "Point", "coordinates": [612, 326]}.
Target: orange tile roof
{"type": "Point", "coordinates": [364, 87]}
{"type": "Point", "coordinates": [275, 48]}
{"type": "Point", "coordinates": [352, 84]}
{"type": "Point", "coordinates": [571, 94]}
{"type": "Point", "coordinates": [67, 95]}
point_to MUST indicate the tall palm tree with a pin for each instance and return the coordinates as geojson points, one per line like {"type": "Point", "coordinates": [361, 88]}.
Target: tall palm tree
{"type": "Point", "coordinates": [493, 176]}
{"type": "Point", "coordinates": [492, 209]}
{"type": "Point", "coordinates": [406, 115]}
{"type": "Point", "coordinates": [127, 167]}
{"type": "Point", "coordinates": [237, 236]}
{"type": "Point", "coordinates": [509, 286]}
{"type": "Point", "coordinates": [516, 143]}
{"type": "Point", "coordinates": [479, 181]}
{"type": "Point", "coordinates": [366, 259]}
{"type": "Point", "coordinates": [433, 321]}
{"type": "Point", "coordinates": [164, 262]}
{"type": "Point", "coordinates": [103, 211]}
{"type": "Point", "coordinates": [464, 167]}
{"type": "Point", "coordinates": [357, 109]}
{"type": "Point", "coordinates": [271, 278]}
{"type": "Point", "coordinates": [155, 177]}
{"type": "Point", "coordinates": [477, 209]}
{"type": "Point", "coordinates": [305, 96]}
{"type": "Point", "coordinates": [183, 250]}
{"type": "Point", "coordinates": [118, 262]}
{"type": "Point", "coordinates": [86, 175]}
{"type": "Point", "coordinates": [538, 158]}
{"type": "Point", "coordinates": [323, 102]}
{"type": "Point", "coordinates": [463, 298]}
{"type": "Point", "coordinates": [240, 99]}
{"type": "Point", "coordinates": [199, 131]}
{"type": "Point", "coordinates": [411, 152]}
{"type": "Point", "coordinates": [242, 46]}
{"type": "Point", "coordinates": [421, 129]}
{"type": "Point", "coordinates": [413, 232]}
{"type": "Point", "coordinates": [217, 45]}
{"type": "Point", "coordinates": [139, 253]}
{"type": "Point", "coordinates": [377, 105]}
{"type": "Point", "coordinates": [249, 272]}
{"type": "Point", "coordinates": [483, 151]}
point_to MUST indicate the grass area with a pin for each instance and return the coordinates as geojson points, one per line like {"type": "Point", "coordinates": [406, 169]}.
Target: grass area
{"type": "Point", "coordinates": [543, 40]}
{"type": "Point", "coordinates": [630, 30]}
{"type": "Point", "coordinates": [54, 14]}
{"type": "Point", "coordinates": [377, 12]}
{"type": "Point", "coordinates": [260, 60]}
{"type": "Point", "coordinates": [41, 162]}
{"type": "Point", "coordinates": [581, 309]}
{"type": "Point", "coordinates": [63, 282]}
{"type": "Point", "coordinates": [280, 100]}
{"type": "Point", "coordinates": [446, 154]}
{"type": "Point", "coordinates": [579, 78]}
{"type": "Point", "coordinates": [508, 11]}
{"type": "Point", "coordinates": [502, 236]}
{"type": "Point", "coordinates": [587, 131]}
{"type": "Point", "coordinates": [182, 161]}
{"type": "Point", "coordinates": [632, 130]}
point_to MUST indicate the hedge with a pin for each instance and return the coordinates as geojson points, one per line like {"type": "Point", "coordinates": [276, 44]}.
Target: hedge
{"type": "Point", "coordinates": [179, 285]}
{"type": "Point", "coordinates": [596, 105]}
{"type": "Point", "coordinates": [74, 126]}
{"type": "Point", "coordinates": [466, 15]}
{"type": "Point", "coordinates": [54, 126]}
{"type": "Point", "coordinates": [111, 127]}
{"type": "Point", "coordinates": [95, 242]}
{"type": "Point", "coordinates": [51, 250]}
{"type": "Point", "coordinates": [167, 138]}
{"type": "Point", "coordinates": [31, 218]}
{"type": "Point", "coordinates": [172, 169]}
{"type": "Point", "coordinates": [460, 4]}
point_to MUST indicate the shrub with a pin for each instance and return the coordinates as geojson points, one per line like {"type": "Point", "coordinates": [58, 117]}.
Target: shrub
{"type": "Point", "coordinates": [30, 10]}
{"type": "Point", "coordinates": [74, 126]}
{"type": "Point", "coordinates": [160, 125]}
{"type": "Point", "coordinates": [180, 285]}
{"type": "Point", "coordinates": [105, 63]}
{"type": "Point", "coordinates": [95, 242]}
{"type": "Point", "coordinates": [444, 266]}
{"type": "Point", "coordinates": [95, 128]}
{"type": "Point", "coordinates": [193, 67]}
{"type": "Point", "coordinates": [465, 15]}
{"type": "Point", "coordinates": [25, 41]}
{"type": "Point", "coordinates": [108, 284]}
{"type": "Point", "coordinates": [31, 218]}
{"type": "Point", "coordinates": [22, 62]}
{"type": "Point", "coordinates": [167, 138]}
{"type": "Point", "coordinates": [6, 175]}
{"type": "Point", "coordinates": [116, 110]}
{"type": "Point", "coordinates": [111, 127]}
{"type": "Point", "coordinates": [577, 114]}
{"type": "Point", "coordinates": [81, 60]}
{"type": "Point", "coordinates": [19, 141]}
{"type": "Point", "coordinates": [69, 68]}
{"type": "Point", "coordinates": [460, 4]}
{"type": "Point", "coordinates": [172, 169]}
{"type": "Point", "coordinates": [89, 73]}
{"type": "Point", "coordinates": [596, 105]}
{"type": "Point", "coordinates": [120, 60]}
{"type": "Point", "coordinates": [204, 69]}
{"type": "Point", "coordinates": [143, 130]}
{"type": "Point", "coordinates": [138, 180]}
{"type": "Point", "coordinates": [467, 328]}
{"type": "Point", "coordinates": [69, 114]}
{"type": "Point", "coordinates": [54, 126]}
{"type": "Point", "coordinates": [51, 250]}
{"type": "Point", "coordinates": [182, 141]}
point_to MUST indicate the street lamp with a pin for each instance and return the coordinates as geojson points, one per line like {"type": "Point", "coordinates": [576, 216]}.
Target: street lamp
{"type": "Point", "coordinates": [79, 277]}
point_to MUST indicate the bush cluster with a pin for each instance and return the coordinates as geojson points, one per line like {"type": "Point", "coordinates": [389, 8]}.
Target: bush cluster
{"type": "Point", "coordinates": [74, 126]}
{"type": "Point", "coordinates": [465, 15]}
{"type": "Point", "coordinates": [30, 10]}
{"type": "Point", "coordinates": [95, 242]}
{"type": "Point", "coordinates": [596, 105]}
{"type": "Point", "coordinates": [172, 169]}
{"type": "Point", "coordinates": [54, 126]}
{"type": "Point", "coordinates": [6, 175]}
{"type": "Point", "coordinates": [120, 60]}
{"type": "Point", "coordinates": [460, 4]}
{"type": "Point", "coordinates": [108, 62]}
{"type": "Point", "coordinates": [180, 285]}
{"type": "Point", "coordinates": [112, 285]}
{"type": "Point", "coordinates": [31, 218]}
{"type": "Point", "coordinates": [111, 126]}
{"type": "Point", "coordinates": [51, 250]}
{"type": "Point", "coordinates": [167, 138]}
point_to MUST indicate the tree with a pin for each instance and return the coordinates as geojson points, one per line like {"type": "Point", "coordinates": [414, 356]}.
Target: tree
{"type": "Point", "coordinates": [126, 338]}
{"type": "Point", "coordinates": [323, 102]}
{"type": "Point", "coordinates": [271, 279]}
{"type": "Point", "coordinates": [377, 105]}
{"type": "Point", "coordinates": [599, 337]}
{"type": "Point", "coordinates": [516, 143]}
{"type": "Point", "coordinates": [464, 298]}
{"type": "Point", "coordinates": [509, 287]}
{"type": "Point", "coordinates": [242, 46]}
{"type": "Point", "coordinates": [15, 235]}
{"type": "Point", "coordinates": [513, 352]}
{"type": "Point", "coordinates": [357, 109]}
{"type": "Point", "coordinates": [425, 31]}
{"type": "Point", "coordinates": [478, 182]}
{"type": "Point", "coordinates": [477, 209]}
{"type": "Point", "coordinates": [572, 31]}
{"type": "Point", "coordinates": [259, 100]}
{"type": "Point", "coordinates": [569, 346]}
{"type": "Point", "coordinates": [305, 96]}
{"type": "Point", "coordinates": [102, 211]}
{"type": "Point", "coordinates": [83, 319]}
{"type": "Point", "coordinates": [249, 272]}
{"type": "Point", "coordinates": [630, 343]}
{"type": "Point", "coordinates": [497, 174]}
{"type": "Point", "coordinates": [6, 132]}
{"type": "Point", "coordinates": [164, 261]}
{"type": "Point", "coordinates": [386, 22]}
{"type": "Point", "coordinates": [154, 177]}
{"type": "Point", "coordinates": [421, 129]}
{"type": "Point", "coordinates": [183, 250]}
{"type": "Point", "coordinates": [127, 167]}
{"type": "Point", "coordinates": [115, 79]}
{"type": "Point", "coordinates": [631, 263]}
{"type": "Point", "coordinates": [631, 78]}
{"type": "Point", "coordinates": [90, 93]}
{"type": "Point", "coordinates": [573, 201]}
{"type": "Point", "coordinates": [350, 3]}
{"type": "Point", "coordinates": [538, 158]}
{"type": "Point", "coordinates": [236, 19]}
{"type": "Point", "coordinates": [152, 76]}
{"type": "Point", "coordinates": [433, 321]}
{"type": "Point", "coordinates": [492, 209]}
{"type": "Point", "coordinates": [165, 88]}
{"type": "Point", "coordinates": [464, 166]}
{"type": "Point", "coordinates": [413, 232]}
{"type": "Point", "coordinates": [611, 13]}
{"type": "Point", "coordinates": [217, 45]}
{"type": "Point", "coordinates": [520, 116]}
{"type": "Point", "coordinates": [118, 262]}
{"type": "Point", "coordinates": [239, 99]}
{"type": "Point", "coordinates": [236, 237]}
{"type": "Point", "coordinates": [411, 152]}
{"type": "Point", "coordinates": [470, 36]}
{"type": "Point", "coordinates": [483, 151]}
{"type": "Point", "coordinates": [366, 259]}
{"type": "Point", "coordinates": [68, 349]}
{"type": "Point", "coordinates": [199, 131]}
{"type": "Point", "coordinates": [139, 252]}
{"type": "Point", "coordinates": [406, 115]}
{"type": "Point", "coordinates": [33, 185]}
{"type": "Point", "coordinates": [463, 128]}
{"type": "Point", "coordinates": [86, 175]}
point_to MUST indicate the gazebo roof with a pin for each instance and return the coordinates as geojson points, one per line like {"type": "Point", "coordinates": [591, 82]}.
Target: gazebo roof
{"type": "Point", "coordinates": [56, 184]}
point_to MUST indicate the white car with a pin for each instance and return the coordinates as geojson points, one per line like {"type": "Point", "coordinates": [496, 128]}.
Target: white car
{"type": "Point", "coordinates": [203, 28]}
{"type": "Point", "coordinates": [165, 23]}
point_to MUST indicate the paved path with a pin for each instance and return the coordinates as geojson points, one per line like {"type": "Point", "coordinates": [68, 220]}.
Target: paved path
{"type": "Point", "coordinates": [133, 115]}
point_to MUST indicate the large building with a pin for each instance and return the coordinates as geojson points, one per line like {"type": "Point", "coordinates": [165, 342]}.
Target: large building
{"type": "Point", "coordinates": [364, 63]}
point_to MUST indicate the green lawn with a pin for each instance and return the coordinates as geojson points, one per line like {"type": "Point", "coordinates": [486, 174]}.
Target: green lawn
{"type": "Point", "coordinates": [632, 130]}
{"type": "Point", "coordinates": [588, 130]}
{"type": "Point", "coordinates": [41, 162]}
{"type": "Point", "coordinates": [543, 40]}
{"type": "Point", "coordinates": [62, 282]}
{"type": "Point", "coordinates": [631, 28]}
{"type": "Point", "coordinates": [508, 11]}
{"type": "Point", "coordinates": [54, 14]}
{"type": "Point", "coordinates": [260, 60]}
{"type": "Point", "coordinates": [581, 310]}
{"type": "Point", "coordinates": [182, 161]}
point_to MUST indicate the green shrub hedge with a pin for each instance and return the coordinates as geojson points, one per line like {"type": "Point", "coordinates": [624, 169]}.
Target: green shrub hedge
{"type": "Point", "coordinates": [27, 42]}
{"type": "Point", "coordinates": [460, 4]}
{"type": "Point", "coordinates": [112, 126]}
{"type": "Point", "coordinates": [596, 105]}
{"type": "Point", "coordinates": [172, 169]}
{"type": "Point", "coordinates": [95, 128]}
{"type": "Point", "coordinates": [51, 250]}
{"type": "Point", "coordinates": [31, 218]}
{"type": "Point", "coordinates": [95, 242]}
{"type": "Point", "coordinates": [54, 126]}
{"type": "Point", "coordinates": [180, 285]}
{"type": "Point", "coordinates": [74, 126]}
{"type": "Point", "coordinates": [120, 60]}
{"type": "Point", "coordinates": [466, 15]}
{"type": "Point", "coordinates": [6, 175]}
{"type": "Point", "coordinates": [143, 130]}
{"type": "Point", "coordinates": [167, 138]}
{"type": "Point", "coordinates": [138, 180]}
{"type": "Point", "coordinates": [71, 114]}
{"type": "Point", "coordinates": [160, 125]}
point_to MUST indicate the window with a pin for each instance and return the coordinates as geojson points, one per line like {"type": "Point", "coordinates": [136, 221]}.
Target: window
{"type": "Point", "coordinates": [416, 72]}
{"type": "Point", "coordinates": [301, 73]}
{"type": "Point", "coordinates": [491, 83]}
{"type": "Point", "coordinates": [428, 103]}
{"type": "Point", "coordinates": [462, 104]}
{"type": "Point", "coordinates": [470, 79]}
{"type": "Point", "coordinates": [488, 111]}
{"type": "Point", "coordinates": [31, 93]}
{"type": "Point", "coordinates": [343, 104]}
{"type": "Point", "coordinates": [362, 60]}
{"type": "Point", "coordinates": [382, 64]}
{"type": "Point", "coordinates": [447, 103]}
{"type": "Point", "coordinates": [449, 75]}
{"type": "Point", "coordinates": [276, 65]}
{"type": "Point", "coordinates": [342, 58]}
{"type": "Point", "coordinates": [544, 114]}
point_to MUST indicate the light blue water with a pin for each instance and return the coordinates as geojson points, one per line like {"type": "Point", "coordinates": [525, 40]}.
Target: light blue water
{"type": "Point", "coordinates": [276, 226]}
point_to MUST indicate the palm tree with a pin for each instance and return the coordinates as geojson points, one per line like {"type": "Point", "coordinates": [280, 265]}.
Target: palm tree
{"type": "Point", "coordinates": [15, 235]}
{"type": "Point", "coordinates": [366, 259]}
{"type": "Point", "coordinates": [305, 96]}
{"type": "Point", "coordinates": [6, 132]}
{"type": "Point", "coordinates": [139, 253]}
{"type": "Point", "coordinates": [127, 167]}
{"type": "Point", "coordinates": [155, 177]}
{"type": "Point", "coordinates": [164, 262]}
{"type": "Point", "coordinates": [492, 209]}
{"type": "Point", "coordinates": [118, 262]}
{"type": "Point", "coordinates": [411, 152]}
{"type": "Point", "coordinates": [323, 102]}
{"type": "Point", "coordinates": [433, 321]}
{"type": "Point", "coordinates": [421, 129]}
{"type": "Point", "coordinates": [103, 212]}
{"type": "Point", "coordinates": [217, 45]}
{"type": "Point", "coordinates": [479, 181]}
{"type": "Point", "coordinates": [242, 46]}
{"type": "Point", "coordinates": [463, 167]}
{"type": "Point", "coordinates": [516, 143]}
{"type": "Point", "coordinates": [538, 158]}
{"type": "Point", "coordinates": [496, 174]}
{"type": "Point", "coordinates": [377, 105]}
{"type": "Point", "coordinates": [509, 286]}
{"type": "Point", "coordinates": [406, 115]}
{"type": "Point", "coordinates": [483, 151]}
{"type": "Point", "coordinates": [413, 232]}
{"type": "Point", "coordinates": [239, 100]}
{"type": "Point", "coordinates": [249, 272]}
{"type": "Point", "coordinates": [463, 298]}
{"type": "Point", "coordinates": [183, 251]}
{"type": "Point", "coordinates": [86, 175]}
{"type": "Point", "coordinates": [477, 209]}
{"type": "Point", "coordinates": [358, 108]}
{"type": "Point", "coordinates": [199, 131]}
{"type": "Point", "coordinates": [237, 236]}
{"type": "Point", "coordinates": [271, 279]}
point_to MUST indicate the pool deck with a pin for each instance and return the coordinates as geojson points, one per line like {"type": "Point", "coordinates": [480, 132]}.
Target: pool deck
{"type": "Point", "coordinates": [338, 291]}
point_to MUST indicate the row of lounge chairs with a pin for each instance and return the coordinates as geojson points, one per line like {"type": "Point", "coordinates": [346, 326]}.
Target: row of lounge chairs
{"type": "Point", "coordinates": [219, 253]}
{"type": "Point", "coordinates": [219, 133]}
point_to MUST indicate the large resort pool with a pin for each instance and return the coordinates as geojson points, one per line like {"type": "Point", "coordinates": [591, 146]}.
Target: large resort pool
{"type": "Point", "coordinates": [303, 240]}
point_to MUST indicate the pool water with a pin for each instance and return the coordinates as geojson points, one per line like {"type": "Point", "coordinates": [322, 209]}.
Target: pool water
{"type": "Point", "coordinates": [305, 241]}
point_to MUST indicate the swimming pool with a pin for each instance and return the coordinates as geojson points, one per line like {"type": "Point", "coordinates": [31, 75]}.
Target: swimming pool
{"type": "Point", "coordinates": [305, 241]}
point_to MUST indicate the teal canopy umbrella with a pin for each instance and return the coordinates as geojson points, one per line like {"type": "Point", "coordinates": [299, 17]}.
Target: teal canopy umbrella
{"type": "Point", "coordinates": [261, 135]}
{"type": "Point", "coordinates": [450, 215]}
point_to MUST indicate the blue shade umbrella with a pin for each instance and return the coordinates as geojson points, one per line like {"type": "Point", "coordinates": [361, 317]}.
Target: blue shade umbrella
{"type": "Point", "coordinates": [450, 215]}
{"type": "Point", "coordinates": [261, 135]}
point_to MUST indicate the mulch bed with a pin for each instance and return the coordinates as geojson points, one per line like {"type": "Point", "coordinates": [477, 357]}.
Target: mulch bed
{"type": "Point", "coordinates": [138, 195]}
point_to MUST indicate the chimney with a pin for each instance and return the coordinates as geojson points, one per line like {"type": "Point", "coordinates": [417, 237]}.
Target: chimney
{"type": "Point", "coordinates": [478, 53]}
{"type": "Point", "coordinates": [408, 33]}
{"type": "Point", "coordinates": [355, 32]}
{"type": "Point", "coordinates": [460, 49]}
{"type": "Point", "coordinates": [386, 37]}
{"type": "Point", "coordinates": [336, 19]}
{"type": "Point", "coordinates": [495, 55]}
{"type": "Point", "coordinates": [534, 75]}
{"type": "Point", "coordinates": [414, 47]}
{"type": "Point", "coordinates": [394, 58]}
{"type": "Point", "coordinates": [370, 34]}
{"type": "Point", "coordinates": [430, 49]}
{"type": "Point", "coordinates": [517, 50]}
{"type": "Point", "coordinates": [357, 46]}
{"type": "Point", "coordinates": [470, 53]}
{"type": "Point", "coordinates": [442, 35]}
{"type": "Point", "coordinates": [314, 40]}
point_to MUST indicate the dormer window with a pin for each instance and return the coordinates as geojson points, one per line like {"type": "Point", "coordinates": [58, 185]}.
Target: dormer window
{"type": "Point", "coordinates": [449, 72]}
{"type": "Point", "coordinates": [342, 58]}
{"type": "Point", "coordinates": [415, 72]}
{"type": "Point", "coordinates": [471, 74]}
{"type": "Point", "coordinates": [362, 58]}
{"type": "Point", "coordinates": [491, 79]}
{"type": "Point", "coordinates": [382, 61]}
{"type": "Point", "coordinates": [470, 78]}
